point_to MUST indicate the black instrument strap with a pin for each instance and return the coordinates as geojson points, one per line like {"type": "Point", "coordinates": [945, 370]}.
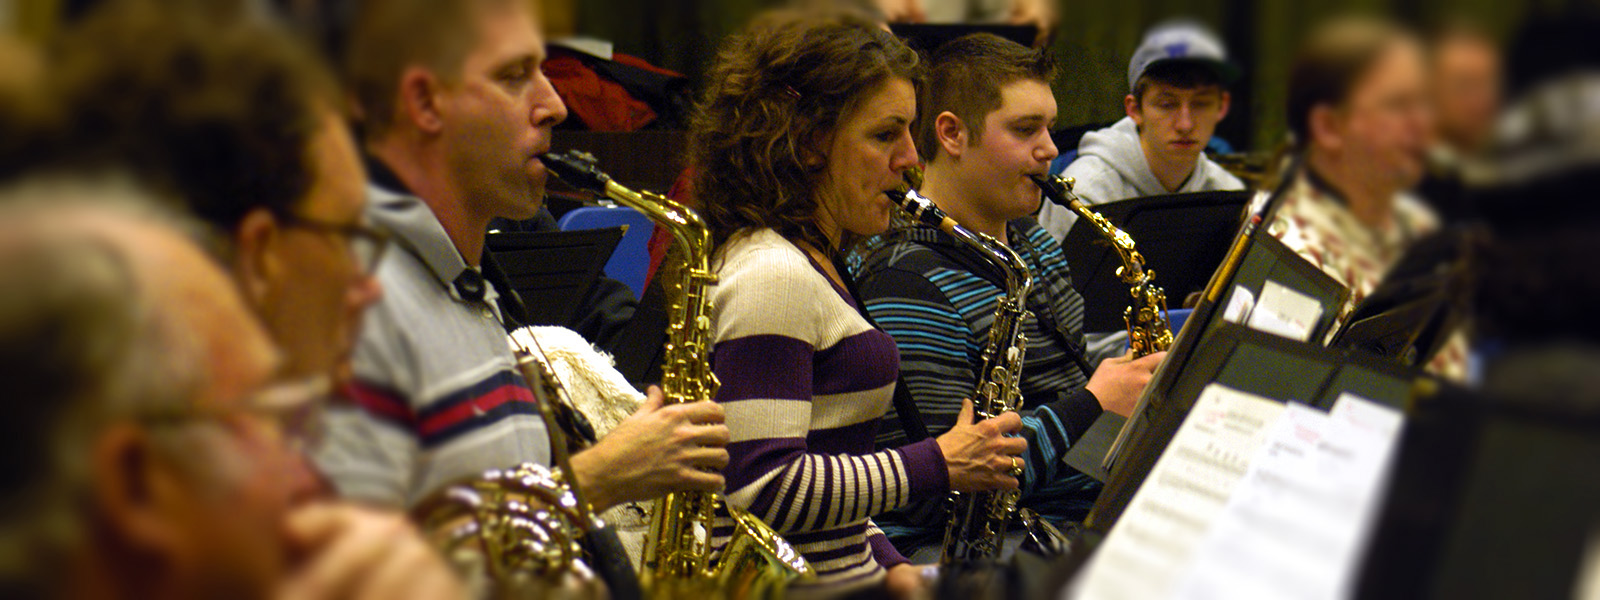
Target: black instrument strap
{"type": "Point", "coordinates": [910, 417]}
{"type": "Point", "coordinates": [986, 270]}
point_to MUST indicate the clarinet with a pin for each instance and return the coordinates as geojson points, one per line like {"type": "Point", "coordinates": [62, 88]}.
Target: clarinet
{"type": "Point", "coordinates": [978, 520]}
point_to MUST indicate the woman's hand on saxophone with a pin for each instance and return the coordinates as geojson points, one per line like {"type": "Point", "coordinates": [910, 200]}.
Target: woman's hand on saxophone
{"type": "Point", "coordinates": [980, 455]}
{"type": "Point", "coordinates": [659, 449]}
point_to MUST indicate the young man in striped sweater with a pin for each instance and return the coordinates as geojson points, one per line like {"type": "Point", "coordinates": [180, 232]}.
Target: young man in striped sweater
{"type": "Point", "coordinates": [984, 126]}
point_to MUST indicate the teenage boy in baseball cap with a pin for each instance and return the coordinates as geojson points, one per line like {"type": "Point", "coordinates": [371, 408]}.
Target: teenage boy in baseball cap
{"type": "Point", "coordinates": [1178, 80]}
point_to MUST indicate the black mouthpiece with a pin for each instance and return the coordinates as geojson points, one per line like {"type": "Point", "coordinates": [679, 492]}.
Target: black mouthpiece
{"type": "Point", "coordinates": [919, 207]}
{"type": "Point", "coordinates": [578, 168]}
{"type": "Point", "coordinates": [1057, 188]}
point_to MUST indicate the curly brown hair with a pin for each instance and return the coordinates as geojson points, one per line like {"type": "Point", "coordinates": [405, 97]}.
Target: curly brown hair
{"type": "Point", "coordinates": [776, 92]}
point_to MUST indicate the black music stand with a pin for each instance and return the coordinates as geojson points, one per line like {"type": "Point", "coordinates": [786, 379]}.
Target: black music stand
{"type": "Point", "coordinates": [1419, 303]}
{"type": "Point", "coordinates": [553, 270]}
{"type": "Point", "coordinates": [1183, 237]}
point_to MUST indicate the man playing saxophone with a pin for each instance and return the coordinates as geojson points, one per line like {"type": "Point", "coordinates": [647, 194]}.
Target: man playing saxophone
{"type": "Point", "coordinates": [983, 123]}
{"type": "Point", "coordinates": [455, 112]}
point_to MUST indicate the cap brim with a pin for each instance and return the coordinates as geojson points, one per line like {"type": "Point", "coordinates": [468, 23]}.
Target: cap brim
{"type": "Point", "coordinates": [1226, 72]}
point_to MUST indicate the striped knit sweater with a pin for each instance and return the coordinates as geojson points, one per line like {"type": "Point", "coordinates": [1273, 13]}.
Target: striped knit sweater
{"type": "Point", "coordinates": [805, 381]}
{"type": "Point", "coordinates": [936, 297]}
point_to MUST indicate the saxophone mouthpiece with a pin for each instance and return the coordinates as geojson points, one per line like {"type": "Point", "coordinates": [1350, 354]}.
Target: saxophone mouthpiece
{"type": "Point", "coordinates": [1057, 188]}
{"type": "Point", "coordinates": [922, 210]}
{"type": "Point", "coordinates": [578, 169]}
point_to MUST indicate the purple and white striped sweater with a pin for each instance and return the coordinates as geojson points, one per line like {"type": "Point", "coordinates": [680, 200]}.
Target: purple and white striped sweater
{"type": "Point", "coordinates": [805, 381]}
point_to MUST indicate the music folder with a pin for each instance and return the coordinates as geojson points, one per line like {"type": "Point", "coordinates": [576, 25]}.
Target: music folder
{"type": "Point", "coordinates": [1418, 305]}
{"type": "Point", "coordinates": [553, 270]}
{"type": "Point", "coordinates": [1182, 237]}
{"type": "Point", "coordinates": [1258, 263]}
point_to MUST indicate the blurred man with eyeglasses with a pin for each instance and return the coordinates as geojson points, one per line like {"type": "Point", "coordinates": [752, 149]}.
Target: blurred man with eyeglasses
{"type": "Point", "coordinates": [231, 122]}
{"type": "Point", "coordinates": [149, 446]}
{"type": "Point", "coordinates": [247, 137]}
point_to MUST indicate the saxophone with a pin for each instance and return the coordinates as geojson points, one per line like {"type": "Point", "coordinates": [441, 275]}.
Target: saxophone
{"type": "Point", "coordinates": [756, 562]}
{"type": "Point", "coordinates": [1146, 315]}
{"type": "Point", "coordinates": [521, 528]}
{"type": "Point", "coordinates": [978, 520]}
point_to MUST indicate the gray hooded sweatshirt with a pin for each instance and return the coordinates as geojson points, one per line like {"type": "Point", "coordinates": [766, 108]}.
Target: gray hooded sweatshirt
{"type": "Point", "coordinates": [1111, 166]}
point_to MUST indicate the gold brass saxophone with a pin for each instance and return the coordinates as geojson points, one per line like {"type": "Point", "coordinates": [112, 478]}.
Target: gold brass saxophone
{"type": "Point", "coordinates": [520, 528]}
{"type": "Point", "coordinates": [1146, 315]}
{"type": "Point", "coordinates": [756, 562]}
{"type": "Point", "coordinates": [978, 520]}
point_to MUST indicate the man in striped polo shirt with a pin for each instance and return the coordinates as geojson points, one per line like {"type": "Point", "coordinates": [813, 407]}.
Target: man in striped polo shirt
{"type": "Point", "coordinates": [455, 113]}
{"type": "Point", "coordinates": [984, 124]}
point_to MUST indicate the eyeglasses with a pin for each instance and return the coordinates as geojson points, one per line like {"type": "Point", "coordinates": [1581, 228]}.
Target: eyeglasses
{"type": "Point", "coordinates": [294, 409]}
{"type": "Point", "coordinates": [366, 243]}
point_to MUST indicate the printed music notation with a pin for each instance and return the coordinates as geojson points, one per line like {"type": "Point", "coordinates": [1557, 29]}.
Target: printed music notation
{"type": "Point", "coordinates": [1252, 499]}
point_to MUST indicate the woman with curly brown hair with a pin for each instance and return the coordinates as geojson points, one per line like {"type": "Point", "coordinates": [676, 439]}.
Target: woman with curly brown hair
{"type": "Point", "coordinates": [805, 125]}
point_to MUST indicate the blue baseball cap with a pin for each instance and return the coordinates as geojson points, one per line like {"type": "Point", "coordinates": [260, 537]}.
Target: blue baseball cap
{"type": "Point", "coordinates": [1181, 41]}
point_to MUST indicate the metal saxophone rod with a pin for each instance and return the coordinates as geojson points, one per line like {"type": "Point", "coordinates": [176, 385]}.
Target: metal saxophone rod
{"type": "Point", "coordinates": [756, 562]}
{"type": "Point", "coordinates": [978, 520]}
{"type": "Point", "coordinates": [1146, 315]}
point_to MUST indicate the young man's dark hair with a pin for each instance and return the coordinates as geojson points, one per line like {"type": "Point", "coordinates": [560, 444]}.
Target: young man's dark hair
{"type": "Point", "coordinates": [965, 78]}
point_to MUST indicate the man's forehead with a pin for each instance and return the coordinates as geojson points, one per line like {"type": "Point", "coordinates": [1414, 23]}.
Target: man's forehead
{"type": "Point", "coordinates": [1158, 88]}
{"type": "Point", "coordinates": [1026, 98]}
{"type": "Point", "coordinates": [505, 32]}
{"type": "Point", "coordinates": [338, 190]}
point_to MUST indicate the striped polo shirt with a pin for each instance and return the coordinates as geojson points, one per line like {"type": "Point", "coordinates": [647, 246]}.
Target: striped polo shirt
{"type": "Point", "coordinates": [805, 381]}
{"type": "Point", "coordinates": [436, 395]}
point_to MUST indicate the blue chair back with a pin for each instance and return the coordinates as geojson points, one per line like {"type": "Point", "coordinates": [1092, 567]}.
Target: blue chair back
{"type": "Point", "coordinates": [631, 260]}
{"type": "Point", "coordinates": [1176, 317]}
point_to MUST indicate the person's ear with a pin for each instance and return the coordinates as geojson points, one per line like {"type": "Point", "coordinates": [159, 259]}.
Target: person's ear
{"type": "Point", "coordinates": [951, 133]}
{"type": "Point", "coordinates": [1227, 100]}
{"type": "Point", "coordinates": [131, 490]}
{"type": "Point", "coordinates": [1323, 127]}
{"type": "Point", "coordinates": [1130, 105]}
{"type": "Point", "coordinates": [811, 155]}
{"type": "Point", "coordinates": [419, 99]}
{"type": "Point", "coordinates": [256, 265]}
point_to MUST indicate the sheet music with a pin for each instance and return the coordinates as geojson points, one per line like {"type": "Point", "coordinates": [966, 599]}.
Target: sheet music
{"type": "Point", "coordinates": [1296, 524]}
{"type": "Point", "coordinates": [1286, 312]}
{"type": "Point", "coordinates": [1188, 487]}
{"type": "Point", "coordinates": [1240, 302]}
{"type": "Point", "coordinates": [1253, 499]}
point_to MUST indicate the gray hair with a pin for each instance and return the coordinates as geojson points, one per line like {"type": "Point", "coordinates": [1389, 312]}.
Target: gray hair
{"type": "Point", "coordinates": [84, 342]}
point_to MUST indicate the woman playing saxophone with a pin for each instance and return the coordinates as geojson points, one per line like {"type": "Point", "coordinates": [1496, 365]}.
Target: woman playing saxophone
{"type": "Point", "coordinates": [804, 126]}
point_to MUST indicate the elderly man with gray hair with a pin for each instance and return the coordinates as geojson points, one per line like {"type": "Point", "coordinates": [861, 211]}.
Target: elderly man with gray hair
{"type": "Point", "coordinates": [149, 443]}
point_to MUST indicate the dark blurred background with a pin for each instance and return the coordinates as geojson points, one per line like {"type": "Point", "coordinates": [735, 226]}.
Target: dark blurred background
{"type": "Point", "coordinates": [1094, 40]}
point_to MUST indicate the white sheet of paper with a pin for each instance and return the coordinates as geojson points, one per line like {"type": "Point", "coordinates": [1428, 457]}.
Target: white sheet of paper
{"type": "Point", "coordinates": [1239, 304]}
{"type": "Point", "coordinates": [1169, 516]}
{"type": "Point", "coordinates": [1286, 312]}
{"type": "Point", "coordinates": [1296, 524]}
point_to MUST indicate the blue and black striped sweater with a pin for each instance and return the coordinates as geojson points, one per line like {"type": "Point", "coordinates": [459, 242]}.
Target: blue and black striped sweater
{"type": "Point", "coordinates": [936, 298]}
